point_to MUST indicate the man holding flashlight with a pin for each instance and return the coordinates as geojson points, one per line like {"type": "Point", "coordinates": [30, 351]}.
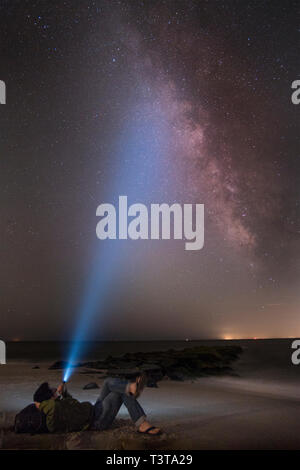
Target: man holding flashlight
{"type": "Point", "coordinates": [66, 414]}
{"type": "Point", "coordinates": [63, 412]}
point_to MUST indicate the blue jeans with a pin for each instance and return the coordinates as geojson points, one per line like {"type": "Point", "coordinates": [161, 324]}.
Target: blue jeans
{"type": "Point", "coordinates": [114, 393]}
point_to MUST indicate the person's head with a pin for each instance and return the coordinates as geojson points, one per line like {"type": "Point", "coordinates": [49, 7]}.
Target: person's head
{"type": "Point", "coordinates": [141, 381]}
{"type": "Point", "coordinates": [44, 392]}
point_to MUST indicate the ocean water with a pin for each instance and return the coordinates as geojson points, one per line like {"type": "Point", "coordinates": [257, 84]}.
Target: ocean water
{"type": "Point", "coordinates": [266, 354]}
{"type": "Point", "coordinates": [45, 351]}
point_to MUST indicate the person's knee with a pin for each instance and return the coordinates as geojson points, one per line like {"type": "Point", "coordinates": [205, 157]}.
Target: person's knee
{"type": "Point", "coordinates": [109, 381]}
{"type": "Point", "coordinates": [113, 399]}
{"type": "Point", "coordinates": [106, 385]}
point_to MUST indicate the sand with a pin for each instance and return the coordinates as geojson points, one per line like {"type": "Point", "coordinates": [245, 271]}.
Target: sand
{"type": "Point", "coordinates": [259, 409]}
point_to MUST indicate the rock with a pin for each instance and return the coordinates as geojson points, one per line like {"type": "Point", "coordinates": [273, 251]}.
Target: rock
{"type": "Point", "coordinates": [177, 377]}
{"type": "Point", "coordinates": [62, 365]}
{"type": "Point", "coordinates": [150, 367]}
{"type": "Point", "coordinates": [184, 364]}
{"type": "Point", "coordinates": [90, 386]}
{"type": "Point", "coordinates": [126, 373]}
{"type": "Point", "coordinates": [151, 383]}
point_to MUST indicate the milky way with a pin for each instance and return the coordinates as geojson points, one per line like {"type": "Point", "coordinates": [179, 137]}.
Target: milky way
{"type": "Point", "coordinates": [224, 138]}
{"type": "Point", "coordinates": [163, 101]}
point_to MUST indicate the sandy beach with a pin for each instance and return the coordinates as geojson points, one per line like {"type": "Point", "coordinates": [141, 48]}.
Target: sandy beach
{"type": "Point", "coordinates": [256, 409]}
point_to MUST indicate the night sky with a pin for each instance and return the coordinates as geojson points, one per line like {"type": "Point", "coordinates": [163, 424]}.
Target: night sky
{"type": "Point", "coordinates": [163, 101]}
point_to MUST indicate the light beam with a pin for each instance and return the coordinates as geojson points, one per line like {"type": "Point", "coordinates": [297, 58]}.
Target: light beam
{"type": "Point", "coordinates": [140, 171]}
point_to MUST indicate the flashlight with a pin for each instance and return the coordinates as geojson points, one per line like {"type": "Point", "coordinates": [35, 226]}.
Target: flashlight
{"type": "Point", "coordinates": [64, 389]}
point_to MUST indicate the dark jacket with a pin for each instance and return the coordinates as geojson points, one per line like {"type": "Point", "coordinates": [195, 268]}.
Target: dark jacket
{"type": "Point", "coordinates": [67, 414]}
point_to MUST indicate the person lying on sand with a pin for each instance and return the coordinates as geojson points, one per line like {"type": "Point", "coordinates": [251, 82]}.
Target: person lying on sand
{"type": "Point", "coordinates": [66, 414]}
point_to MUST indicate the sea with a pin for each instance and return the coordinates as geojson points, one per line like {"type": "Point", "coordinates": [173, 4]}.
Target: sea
{"type": "Point", "coordinates": [273, 355]}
